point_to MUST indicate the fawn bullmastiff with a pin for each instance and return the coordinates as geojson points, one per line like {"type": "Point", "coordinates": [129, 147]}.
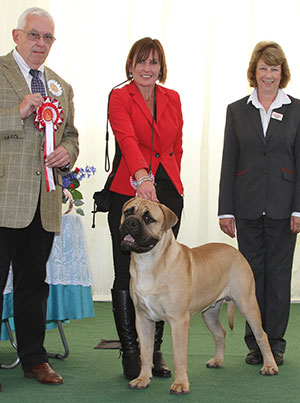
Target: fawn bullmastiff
{"type": "Point", "coordinates": [171, 282]}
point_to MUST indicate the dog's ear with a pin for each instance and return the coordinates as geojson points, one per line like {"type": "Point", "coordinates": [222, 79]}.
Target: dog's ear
{"type": "Point", "coordinates": [170, 217]}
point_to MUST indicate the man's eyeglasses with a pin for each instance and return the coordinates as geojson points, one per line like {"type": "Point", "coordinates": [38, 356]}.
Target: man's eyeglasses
{"type": "Point", "coordinates": [35, 37]}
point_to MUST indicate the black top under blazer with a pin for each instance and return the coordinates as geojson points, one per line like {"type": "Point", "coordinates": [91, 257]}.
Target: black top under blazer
{"type": "Point", "coordinates": [260, 174]}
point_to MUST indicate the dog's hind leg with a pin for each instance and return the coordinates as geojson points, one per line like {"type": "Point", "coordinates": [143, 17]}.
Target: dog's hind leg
{"type": "Point", "coordinates": [145, 329]}
{"type": "Point", "coordinates": [248, 307]}
{"type": "Point", "coordinates": [211, 319]}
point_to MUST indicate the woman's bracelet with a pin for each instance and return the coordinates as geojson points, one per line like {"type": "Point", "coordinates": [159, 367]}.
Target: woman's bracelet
{"type": "Point", "coordinates": [135, 184]}
{"type": "Point", "coordinates": [142, 180]}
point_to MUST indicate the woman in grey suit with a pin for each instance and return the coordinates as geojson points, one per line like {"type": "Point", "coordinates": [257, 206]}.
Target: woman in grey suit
{"type": "Point", "coordinates": [260, 188]}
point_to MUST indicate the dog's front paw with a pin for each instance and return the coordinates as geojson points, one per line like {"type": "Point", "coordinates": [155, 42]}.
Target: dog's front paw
{"type": "Point", "coordinates": [269, 370]}
{"type": "Point", "coordinates": [140, 383]}
{"type": "Point", "coordinates": [180, 388]}
{"type": "Point", "coordinates": [214, 363]}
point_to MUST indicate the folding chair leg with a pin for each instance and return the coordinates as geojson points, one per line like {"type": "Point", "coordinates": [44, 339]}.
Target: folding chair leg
{"type": "Point", "coordinates": [64, 341]}
{"type": "Point", "coordinates": [13, 343]}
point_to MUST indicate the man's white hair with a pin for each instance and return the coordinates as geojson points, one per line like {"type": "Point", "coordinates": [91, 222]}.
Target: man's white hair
{"type": "Point", "coordinates": [32, 10]}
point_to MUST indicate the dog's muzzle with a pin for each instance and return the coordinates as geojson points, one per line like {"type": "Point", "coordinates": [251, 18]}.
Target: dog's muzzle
{"type": "Point", "coordinates": [134, 237]}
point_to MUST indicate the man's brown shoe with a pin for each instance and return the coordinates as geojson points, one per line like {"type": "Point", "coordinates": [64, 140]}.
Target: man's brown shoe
{"type": "Point", "coordinates": [254, 357]}
{"type": "Point", "coordinates": [44, 374]}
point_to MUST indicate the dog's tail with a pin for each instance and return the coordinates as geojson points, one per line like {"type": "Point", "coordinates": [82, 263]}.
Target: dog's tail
{"type": "Point", "coordinates": [230, 313]}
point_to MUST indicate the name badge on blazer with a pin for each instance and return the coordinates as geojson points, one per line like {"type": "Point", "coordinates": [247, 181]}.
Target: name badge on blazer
{"type": "Point", "coordinates": [277, 116]}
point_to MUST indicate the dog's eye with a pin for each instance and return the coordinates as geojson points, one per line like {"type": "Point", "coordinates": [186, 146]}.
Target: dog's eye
{"type": "Point", "coordinates": [129, 212]}
{"type": "Point", "coordinates": [148, 218]}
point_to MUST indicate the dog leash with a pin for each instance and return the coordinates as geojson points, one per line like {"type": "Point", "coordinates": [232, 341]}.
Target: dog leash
{"type": "Point", "coordinates": [107, 161]}
{"type": "Point", "coordinates": [152, 135]}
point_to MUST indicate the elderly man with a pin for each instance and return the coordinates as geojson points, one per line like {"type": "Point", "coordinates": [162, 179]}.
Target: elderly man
{"type": "Point", "coordinates": [30, 179]}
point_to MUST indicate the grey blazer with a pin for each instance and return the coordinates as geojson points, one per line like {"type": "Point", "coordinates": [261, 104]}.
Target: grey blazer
{"type": "Point", "coordinates": [22, 176]}
{"type": "Point", "coordinates": [260, 174]}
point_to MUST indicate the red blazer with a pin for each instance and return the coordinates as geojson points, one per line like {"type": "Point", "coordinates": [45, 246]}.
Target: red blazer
{"type": "Point", "coordinates": [131, 122]}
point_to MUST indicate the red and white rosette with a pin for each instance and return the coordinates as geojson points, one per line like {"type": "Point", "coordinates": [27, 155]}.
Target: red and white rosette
{"type": "Point", "coordinates": [47, 117]}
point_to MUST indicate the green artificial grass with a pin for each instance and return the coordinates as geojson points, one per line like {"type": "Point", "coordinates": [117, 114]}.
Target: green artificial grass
{"type": "Point", "coordinates": [95, 375]}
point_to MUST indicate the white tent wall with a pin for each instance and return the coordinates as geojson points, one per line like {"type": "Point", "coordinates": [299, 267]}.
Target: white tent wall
{"type": "Point", "coordinates": [208, 44]}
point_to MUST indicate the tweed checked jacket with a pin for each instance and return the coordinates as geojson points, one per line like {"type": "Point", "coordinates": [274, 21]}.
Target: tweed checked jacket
{"type": "Point", "coordinates": [22, 173]}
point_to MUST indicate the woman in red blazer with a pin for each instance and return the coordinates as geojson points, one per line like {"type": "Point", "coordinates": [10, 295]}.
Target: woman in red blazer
{"type": "Point", "coordinates": [133, 111]}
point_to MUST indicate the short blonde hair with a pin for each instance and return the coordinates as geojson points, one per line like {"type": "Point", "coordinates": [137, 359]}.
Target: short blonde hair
{"type": "Point", "coordinates": [273, 55]}
{"type": "Point", "coordinates": [140, 51]}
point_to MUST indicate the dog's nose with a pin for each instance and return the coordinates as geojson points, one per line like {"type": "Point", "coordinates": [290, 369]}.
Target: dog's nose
{"type": "Point", "coordinates": [131, 224]}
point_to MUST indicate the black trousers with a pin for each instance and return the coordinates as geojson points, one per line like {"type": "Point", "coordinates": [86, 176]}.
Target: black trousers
{"type": "Point", "coordinates": [269, 246]}
{"type": "Point", "coordinates": [28, 249]}
{"type": "Point", "coordinates": [168, 195]}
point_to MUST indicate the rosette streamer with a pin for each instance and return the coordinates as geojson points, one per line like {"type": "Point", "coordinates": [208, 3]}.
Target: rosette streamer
{"type": "Point", "coordinates": [47, 118]}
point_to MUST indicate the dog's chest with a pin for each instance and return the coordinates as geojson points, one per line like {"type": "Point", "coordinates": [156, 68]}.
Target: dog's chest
{"type": "Point", "coordinates": [150, 306]}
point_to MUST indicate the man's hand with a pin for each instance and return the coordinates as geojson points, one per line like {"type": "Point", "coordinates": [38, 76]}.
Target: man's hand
{"type": "Point", "coordinates": [58, 158]}
{"type": "Point", "coordinates": [227, 225]}
{"type": "Point", "coordinates": [29, 104]}
{"type": "Point", "coordinates": [295, 224]}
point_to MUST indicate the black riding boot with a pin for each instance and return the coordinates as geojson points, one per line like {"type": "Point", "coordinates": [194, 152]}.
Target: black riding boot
{"type": "Point", "coordinates": [160, 367]}
{"type": "Point", "coordinates": [124, 316]}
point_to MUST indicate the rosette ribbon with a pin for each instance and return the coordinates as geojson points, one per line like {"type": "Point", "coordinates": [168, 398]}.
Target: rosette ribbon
{"type": "Point", "coordinates": [47, 118]}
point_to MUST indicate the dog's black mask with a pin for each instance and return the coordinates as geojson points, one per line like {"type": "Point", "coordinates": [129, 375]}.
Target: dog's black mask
{"type": "Point", "coordinates": [134, 238]}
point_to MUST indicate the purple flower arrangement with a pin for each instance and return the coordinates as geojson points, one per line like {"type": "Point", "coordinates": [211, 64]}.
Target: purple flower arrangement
{"type": "Point", "coordinates": [71, 183]}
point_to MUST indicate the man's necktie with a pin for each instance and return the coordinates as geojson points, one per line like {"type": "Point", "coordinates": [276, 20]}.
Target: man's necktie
{"type": "Point", "coordinates": [37, 84]}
